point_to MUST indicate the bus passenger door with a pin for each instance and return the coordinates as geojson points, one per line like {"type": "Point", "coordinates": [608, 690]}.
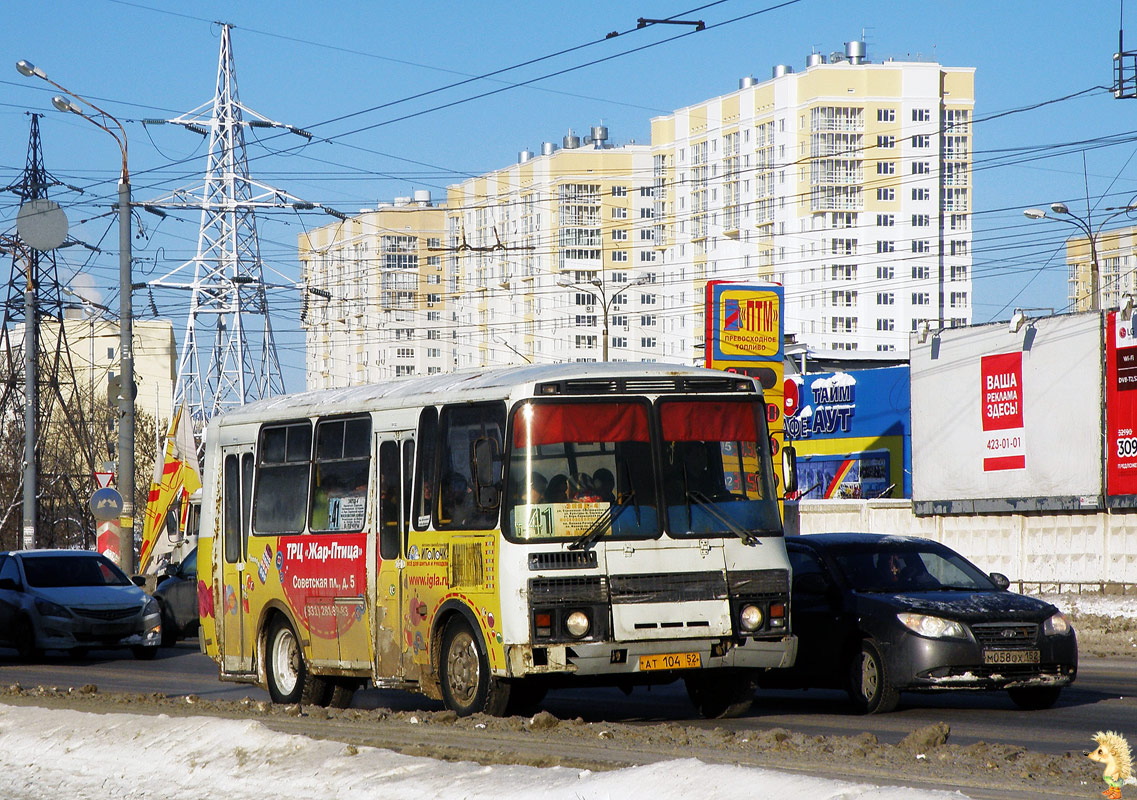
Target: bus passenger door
{"type": "Point", "coordinates": [235, 637]}
{"type": "Point", "coordinates": [396, 460]}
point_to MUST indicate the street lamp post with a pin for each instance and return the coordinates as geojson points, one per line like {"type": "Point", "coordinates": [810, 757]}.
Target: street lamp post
{"type": "Point", "coordinates": [126, 312]}
{"type": "Point", "coordinates": [595, 287]}
{"type": "Point", "coordinates": [1084, 225]}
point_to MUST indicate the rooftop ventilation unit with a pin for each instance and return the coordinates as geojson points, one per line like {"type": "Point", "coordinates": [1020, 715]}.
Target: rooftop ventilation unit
{"type": "Point", "coordinates": [747, 82]}
{"type": "Point", "coordinates": [782, 69]}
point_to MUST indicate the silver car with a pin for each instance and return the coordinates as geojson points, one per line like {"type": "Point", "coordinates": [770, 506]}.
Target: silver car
{"type": "Point", "coordinates": [73, 600]}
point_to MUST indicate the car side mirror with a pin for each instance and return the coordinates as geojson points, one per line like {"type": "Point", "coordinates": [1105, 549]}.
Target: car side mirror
{"type": "Point", "coordinates": [1000, 580]}
{"type": "Point", "coordinates": [138, 580]}
{"type": "Point", "coordinates": [10, 584]}
{"type": "Point", "coordinates": [811, 583]}
{"type": "Point", "coordinates": [789, 469]}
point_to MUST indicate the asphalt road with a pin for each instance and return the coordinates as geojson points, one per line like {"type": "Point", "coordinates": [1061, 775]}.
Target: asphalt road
{"type": "Point", "coordinates": [1103, 697]}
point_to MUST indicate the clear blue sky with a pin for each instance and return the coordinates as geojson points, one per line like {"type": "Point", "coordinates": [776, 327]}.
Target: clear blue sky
{"type": "Point", "coordinates": [309, 63]}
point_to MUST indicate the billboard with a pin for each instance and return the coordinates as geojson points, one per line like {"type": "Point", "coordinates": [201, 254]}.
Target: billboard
{"type": "Point", "coordinates": [1007, 420]}
{"type": "Point", "coordinates": [852, 433]}
{"type": "Point", "coordinates": [744, 335]}
{"type": "Point", "coordinates": [1120, 410]}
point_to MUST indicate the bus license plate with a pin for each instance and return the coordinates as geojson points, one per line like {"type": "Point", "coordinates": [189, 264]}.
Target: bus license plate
{"type": "Point", "coordinates": [671, 661]}
{"type": "Point", "coordinates": [1010, 656]}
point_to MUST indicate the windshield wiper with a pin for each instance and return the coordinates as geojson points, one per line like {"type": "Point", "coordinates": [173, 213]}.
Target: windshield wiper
{"type": "Point", "coordinates": [748, 538]}
{"type": "Point", "coordinates": [605, 520]}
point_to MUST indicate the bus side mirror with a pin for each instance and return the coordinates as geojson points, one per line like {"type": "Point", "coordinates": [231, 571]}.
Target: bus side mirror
{"type": "Point", "coordinates": [789, 469]}
{"type": "Point", "coordinates": [487, 484]}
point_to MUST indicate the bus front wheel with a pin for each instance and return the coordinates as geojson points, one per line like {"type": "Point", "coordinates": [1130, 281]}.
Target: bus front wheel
{"type": "Point", "coordinates": [464, 673]}
{"type": "Point", "coordinates": [289, 680]}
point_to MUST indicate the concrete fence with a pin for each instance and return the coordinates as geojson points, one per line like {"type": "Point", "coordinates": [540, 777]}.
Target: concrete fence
{"type": "Point", "coordinates": [1040, 552]}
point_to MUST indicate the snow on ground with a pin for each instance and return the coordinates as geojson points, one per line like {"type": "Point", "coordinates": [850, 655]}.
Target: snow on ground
{"type": "Point", "coordinates": [1106, 605]}
{"type": "Point", "coordinates": [47, 753]}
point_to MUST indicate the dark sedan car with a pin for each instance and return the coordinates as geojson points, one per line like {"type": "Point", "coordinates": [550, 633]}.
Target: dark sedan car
{"type": "Point", "coordinates": [73, 600]}
{"type": "Point", "coordinates": [876, 614]}
{"type": "Point", "coordinates": [176, 593]}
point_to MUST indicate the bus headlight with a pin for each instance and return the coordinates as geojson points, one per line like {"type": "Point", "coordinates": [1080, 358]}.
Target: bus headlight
{"type": "Point", "coordinates": [577, 624]}
{"type": "Point", "coordinates": [750, 618]}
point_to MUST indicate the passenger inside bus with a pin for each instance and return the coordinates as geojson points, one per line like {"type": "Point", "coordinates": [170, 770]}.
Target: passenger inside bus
{"type": "Point", "coordinates": [604, 483]}
{"type": "Point", "coordinates": [558, 491]}
{"type": "Point", "coordinates": [457, 502]}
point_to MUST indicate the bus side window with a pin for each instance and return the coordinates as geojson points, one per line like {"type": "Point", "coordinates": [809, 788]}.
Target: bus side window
{"type": "Point", "coordinates": [408, 482]}
{"type": "Point", "coordinates": [283, 458]}
{"type": "Point", "coordinates": [340, 473]}
{"type": "Point", "coordinates": [467, 500]}
{"type": "Point", "coordinates": [389, 500]}
{"type": "Point", "coordinates": [425, 481]}
{"type": "Point", "coordinates": [232, 511]}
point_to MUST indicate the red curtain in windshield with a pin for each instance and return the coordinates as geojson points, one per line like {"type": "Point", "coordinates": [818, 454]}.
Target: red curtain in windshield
{"type": "Point", "coordinates": [708, 421]}
{"type": "Point", "coordinates": [580, 422]}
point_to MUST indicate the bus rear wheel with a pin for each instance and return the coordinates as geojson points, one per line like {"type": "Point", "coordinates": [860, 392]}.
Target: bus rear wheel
{"type": "Point", "coordinates": [289, 680]}
{"type": "Point", "coordinates": [464, 674]}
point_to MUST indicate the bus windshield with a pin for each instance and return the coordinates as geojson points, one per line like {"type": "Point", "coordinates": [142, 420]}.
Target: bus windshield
{"type": "Point", "coordinates": [581, 470]}
{"type": "Point", "coordinates": [717, 478]}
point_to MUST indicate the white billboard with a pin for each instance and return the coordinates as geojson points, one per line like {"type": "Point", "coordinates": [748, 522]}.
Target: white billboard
{"type": "Point", "coordinates": [1008, 420]}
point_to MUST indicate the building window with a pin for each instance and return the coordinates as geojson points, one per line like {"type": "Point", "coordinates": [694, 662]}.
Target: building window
{"type": "Point", "coordinates": [959, 247]}
{"type": "Point", "coordinates": [885, 298]}
{"type": "Point", "coordinates": [647, 256]}
{"type": "Point", "coordinates": [647, 213]}
{"type": "Point", "coordinates": [886, 141]}
{"type": "Point", "coordinates": [433, 241]}
{"type": "Point", "coordinates": [921, 140]}
{"type": "Point", "coordinates": [844, 298]}
{"type": "Point", "coordinates": [843, 325]}
{"type": "Point", "coordinates": [921, 168]}
{"type": "Point", "coordinates": [619, 234]}
{"type": "Point", "coordinates": [886, 247]}
{"type": "Point", "coordinates": [885, 272]}
{"type": "Point", "coordinates": [959, 299]}
{"type": "Point", "coordinates": [959, 273]}
{"type": "Point", "coordinates": [920, 299]}
{"type": "Point", "coordinates": [647, 342]}
{"type": "Point", "coordinates": [619, 341]}
{"type": "Point", "coordinates": [619, 255]}
{"type": "Point", "coordinates": [921, 273]}
{"type": "Point", "coordinates": [886, 193]}
{"type": "Point", "coordinates": [921, 115]}
{"type": "Point", "coordinates": [843, 247]}
{"type": "Point", "coordinates": [619, 191]}
{"type": "Point", "coordinates": [647, 299]}
{"type": "Point", "coordinates": [921, 220]}
{"type": "Point", "coordinates": [885, 325]}
{"type": "Point", "coordinates": [921, 193]}
{"type": "Point", "coordinates": [885, 220]}
{"type": "Point", "coordinates": [843, 272]}
{"type": "Point", "coordinates": [586, 342]}
{"type": "Point", "coordinates": [886, 115]}
{"type": "Point", "coordinates": [647, 320]}
{"type": "Point", "coordinates": [886, 168]}
{"type": "Point", "coordinates": [619, 212]}
{"type": "Point", "coordinates": [921, 246]}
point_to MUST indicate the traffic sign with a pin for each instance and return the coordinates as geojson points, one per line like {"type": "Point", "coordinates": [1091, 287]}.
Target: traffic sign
{"type": "Point", "coordinates": [103, 479]}
{"type": "Point", "coordinates": [106, 504]}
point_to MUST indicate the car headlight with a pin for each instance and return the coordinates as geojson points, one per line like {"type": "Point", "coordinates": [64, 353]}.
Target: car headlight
{"type": "Point", "coordinates": [151, 607]}
{"type": "Point", "coordinates": [750, 618]}
{"type": "Point", "coordinates": [1057, 624]}
{"type": "Point", "coordinates": [47, 608]}
{"type": "Point", "coordinates": [577, 624]}
{"type": "Point", "coordinates": [933, 627]}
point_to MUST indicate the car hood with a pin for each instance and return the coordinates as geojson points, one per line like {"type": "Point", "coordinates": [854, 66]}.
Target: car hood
{"type": "Point", "coordinates": [990, 606]}
{"type": "Point", "coordinates": [92, 596]}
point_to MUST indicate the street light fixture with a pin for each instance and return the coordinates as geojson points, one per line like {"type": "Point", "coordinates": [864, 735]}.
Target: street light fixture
{"type": "Point", "coordinates": [126, 311]}
{"type": "Point", "coordinates": [1084, 225]}
{"type": "Point", "coordinates": [601, 294]}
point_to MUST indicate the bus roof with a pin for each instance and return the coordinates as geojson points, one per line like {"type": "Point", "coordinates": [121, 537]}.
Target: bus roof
{"type": "Point", "coordinates": [450, 387]}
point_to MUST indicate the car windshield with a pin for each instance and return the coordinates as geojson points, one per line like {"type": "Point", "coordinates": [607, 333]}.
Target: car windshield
{"type": "Point", "coordinates": [716, 469]}
{"type": "Point", "coordinates": [55, 571]}
{"type": "Point", "coordinates": [909, 568]}
{"type": "Point", "coordinates": [581, 470]}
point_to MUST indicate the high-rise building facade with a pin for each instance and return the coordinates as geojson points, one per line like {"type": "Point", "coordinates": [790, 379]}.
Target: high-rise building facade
{"type": "Point", "coordinates": [1116, 252]}
{"type": "Point", "coordinates": [375, 303]}
{"type": "Point", "coordinates": [849, 183]}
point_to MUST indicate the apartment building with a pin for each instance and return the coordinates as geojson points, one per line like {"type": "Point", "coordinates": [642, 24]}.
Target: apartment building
{"type": "Point", "coordinates": [554, 258]}
{"type": "Point", "coordinates": [849, 183]}
{"type": "Point", "coordinates": [1117, 262]}
{"type": "Point", "coordinates": [375, 303]}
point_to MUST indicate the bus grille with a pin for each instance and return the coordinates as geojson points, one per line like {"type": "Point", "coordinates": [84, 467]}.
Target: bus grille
{"type": "Point", "coordinates": [752, 582]}
{"type": "Point", "coordinates": [669, 587]}
{"type": "Point", "coordinates": [466, 567]}
{"type": "Point", "coordinates": [563, 559]}
{"type": "Point", "coordinates": [575, 589]}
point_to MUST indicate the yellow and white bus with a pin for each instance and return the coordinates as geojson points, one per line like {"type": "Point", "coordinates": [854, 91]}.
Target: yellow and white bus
{"type": "Point", "coordinates": [481, 537]}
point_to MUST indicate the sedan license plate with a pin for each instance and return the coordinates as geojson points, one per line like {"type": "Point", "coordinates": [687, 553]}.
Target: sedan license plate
{"type": "Point", "coordinates": [1010, 656]}
{"type": "Point", "coordinates": [671, 661]}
